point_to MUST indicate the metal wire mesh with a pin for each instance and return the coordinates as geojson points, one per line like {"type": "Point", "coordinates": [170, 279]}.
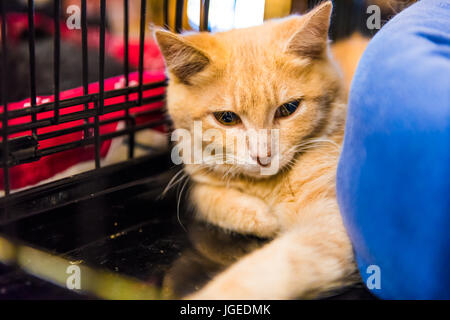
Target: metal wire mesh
{"type": "Point", "coordinates": [26, 148]}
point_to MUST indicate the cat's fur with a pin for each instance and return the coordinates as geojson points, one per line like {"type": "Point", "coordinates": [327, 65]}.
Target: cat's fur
{"type": "Point", "coordinates": [251, 72]}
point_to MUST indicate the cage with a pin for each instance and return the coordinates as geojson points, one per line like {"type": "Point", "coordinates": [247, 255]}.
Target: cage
{"type": "Point", "coordinates": [106, 215]}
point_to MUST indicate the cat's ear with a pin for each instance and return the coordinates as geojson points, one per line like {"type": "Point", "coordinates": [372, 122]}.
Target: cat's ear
{"type": "Point", "coordinates": [311, 39]}
{"type": "Point", "coordinates": [183, 59]}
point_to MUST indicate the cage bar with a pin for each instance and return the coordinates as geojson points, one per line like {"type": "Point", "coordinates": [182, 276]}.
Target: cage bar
{"type": "Point", "coordinates": [56, 57]}
{"type": "Point", "coordinates": [66, 103]}
{"type": "Point", "coordinates": [4, 101]}
{"type": "Point", "coordinates": [79, 115]}
{"type": "Point", "coordinates": [101, 97]}
{"type": "Point", "coordinates": [85, 62]}
{"type": "Point", "coordinates": [100, 103]}
{"type": "Point", "coordinates": [25, 148]}
{"type": "Point", "coordinates": [179, 8]}
{"type": "Point", "coordinates": [96, 136]}
{"type": "Point", "coordinates": [126, 32]}
{"type": "Point", "coordinates": [166, 14]}
{"type": "Point", "coordinates": [58, 133]}
{"type": "Point", "coordinates": [32, 56]}
{"type": "Point", "coordinates": [97, 140]}
{"type": "Point", "coordinates": [204, 15]}
{"type": "Point", "coordinates": [54, 134]}
{"type": "Point", "coordinates": [126, 71]}
{"type": "Point", "coordinates": [141, 48]}
{"type": "Point", "coordinates": [17, 155]}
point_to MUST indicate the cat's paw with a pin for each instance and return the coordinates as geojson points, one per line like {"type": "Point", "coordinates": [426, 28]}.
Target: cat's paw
{"type": "Point", "coordinates": [261, 222]}
{"type": "Point", "coordinates": [235, 211]}
{"type": "Point", "coordinates": [252, 216]}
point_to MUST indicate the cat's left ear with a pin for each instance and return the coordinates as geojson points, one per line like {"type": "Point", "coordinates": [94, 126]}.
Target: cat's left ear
{"type": "Point", "coordinates": [183, 59]}
{"type": "Point", "coordinates": [311, 39]}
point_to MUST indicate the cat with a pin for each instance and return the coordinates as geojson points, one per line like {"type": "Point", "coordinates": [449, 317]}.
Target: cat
{"type": "Point", "coordinates": [278, 75]}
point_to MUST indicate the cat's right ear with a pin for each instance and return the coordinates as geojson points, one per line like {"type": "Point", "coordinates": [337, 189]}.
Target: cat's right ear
{"type": "Point", "coordinates": [311, 40]}
{"type": "Point", "coordinates": [183, 59]}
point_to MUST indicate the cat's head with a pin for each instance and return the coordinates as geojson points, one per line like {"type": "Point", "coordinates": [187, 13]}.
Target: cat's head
{"type": "Point", "coordinates": [276, 76]}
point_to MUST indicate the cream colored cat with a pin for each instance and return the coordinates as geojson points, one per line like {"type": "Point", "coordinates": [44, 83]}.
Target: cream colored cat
{"type": "Point", "coordinates": [275, 76]}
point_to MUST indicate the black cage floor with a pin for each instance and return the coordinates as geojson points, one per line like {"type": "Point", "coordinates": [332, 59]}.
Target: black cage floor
{"type": "Point", "coordinates": [131, 244]}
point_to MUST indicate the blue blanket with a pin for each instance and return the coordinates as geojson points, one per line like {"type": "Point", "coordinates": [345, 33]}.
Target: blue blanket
{"type": "Point", "coordinates": [393, 179]}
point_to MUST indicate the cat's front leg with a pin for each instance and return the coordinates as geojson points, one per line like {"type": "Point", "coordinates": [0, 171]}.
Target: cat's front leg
{"type": "Point", "coordinates": [301, 263]}
{"type": "Point", "coordinates": [233, 210]}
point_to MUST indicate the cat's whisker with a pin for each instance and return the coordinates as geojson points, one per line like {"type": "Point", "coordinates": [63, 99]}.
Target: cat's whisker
{"type": "Point", "coordinates": [172, 183]}
{"type": "Point", "coordinates": [178, 205]}
{"type": "Point", "coordinates": [319, 141]}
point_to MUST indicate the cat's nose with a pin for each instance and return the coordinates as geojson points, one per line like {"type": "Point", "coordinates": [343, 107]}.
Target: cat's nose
{"type": "Point", "coordinates": [263, 161]}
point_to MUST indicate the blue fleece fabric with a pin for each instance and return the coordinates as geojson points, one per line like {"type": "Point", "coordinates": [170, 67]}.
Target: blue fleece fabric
{"type": "Point", "coordinates": [393, 180]}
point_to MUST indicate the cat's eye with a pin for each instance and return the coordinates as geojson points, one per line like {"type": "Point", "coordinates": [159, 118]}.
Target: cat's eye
{"type": "Point", "coordinates": [227, 118]}
{"type": "Point", "coordinates": [287, 109]}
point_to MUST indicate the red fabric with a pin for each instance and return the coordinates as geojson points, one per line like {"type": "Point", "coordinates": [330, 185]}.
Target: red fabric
{"type": "Point", "coordinates": [17, 25]}
{"type": "Point", "coordinates": [32, 173]}
{"type": "Point", "coordinates": [153, 60]}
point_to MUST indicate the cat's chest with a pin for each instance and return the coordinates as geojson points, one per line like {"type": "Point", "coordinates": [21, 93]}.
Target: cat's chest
{"type": "Point", "coordinates": [271, 191]}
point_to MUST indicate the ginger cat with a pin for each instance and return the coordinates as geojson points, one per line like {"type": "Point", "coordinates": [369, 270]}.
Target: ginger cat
{"type": "Point", "coordinates": [275, 76]}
